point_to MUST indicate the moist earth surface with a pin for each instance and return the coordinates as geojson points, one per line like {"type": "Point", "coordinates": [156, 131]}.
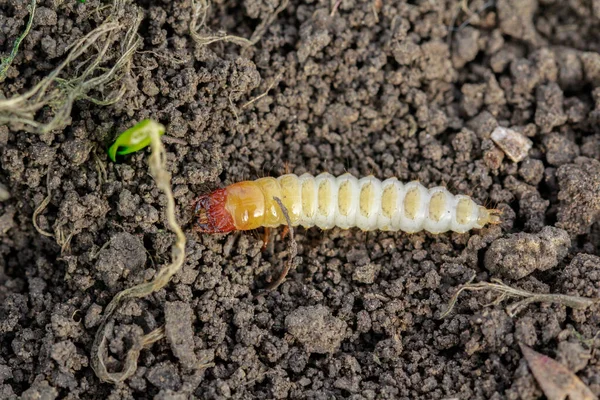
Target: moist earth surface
{"type": "Point", "coordinates": [408, 89]}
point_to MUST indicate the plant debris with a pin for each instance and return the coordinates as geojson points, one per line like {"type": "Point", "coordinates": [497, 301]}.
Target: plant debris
{"type": "Point", "coordinates": [157, 163]}
{"type": "Point", "coordinates": [59, 93]}
{"type": "Point", "coordinates": [7, 61]}
{"type": "Point", "coordinates": [198, 23]}
{"type": "Point", "coordinates": [555, 380]}
{"type": "Point", "coordinates": [528, 297]}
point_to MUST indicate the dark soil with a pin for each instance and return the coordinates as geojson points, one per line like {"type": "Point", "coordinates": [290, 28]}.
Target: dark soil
{"type": "Point", "coordinates": [376, 88]}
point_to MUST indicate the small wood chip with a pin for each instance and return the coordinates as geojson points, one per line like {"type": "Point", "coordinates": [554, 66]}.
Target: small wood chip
{"type": "Point", "coordinates": [515, 145]}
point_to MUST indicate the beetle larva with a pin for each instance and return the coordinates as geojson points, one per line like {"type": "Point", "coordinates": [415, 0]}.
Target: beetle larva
{"type": "Point", "coordinates": [344, 201]}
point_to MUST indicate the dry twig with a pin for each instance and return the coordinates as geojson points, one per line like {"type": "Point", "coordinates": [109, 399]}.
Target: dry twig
{"type": "Point", "coordinates": [62, 240]}
{"type": "Point", "coordinates": [528, 297]}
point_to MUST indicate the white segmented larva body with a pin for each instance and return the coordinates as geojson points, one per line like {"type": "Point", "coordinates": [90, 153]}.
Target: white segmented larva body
{"type": "Point", "coordinates": [326, 201]}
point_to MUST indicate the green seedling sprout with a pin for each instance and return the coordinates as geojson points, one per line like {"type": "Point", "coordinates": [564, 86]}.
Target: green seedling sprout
{"type": "Point", "coordinates": [135, 138]}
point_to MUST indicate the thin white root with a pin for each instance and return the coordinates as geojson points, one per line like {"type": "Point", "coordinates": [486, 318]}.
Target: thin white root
{"type": "Point", "coordinates": [198, 22]}
{"type": "Point", "coordinates": [157, 164]}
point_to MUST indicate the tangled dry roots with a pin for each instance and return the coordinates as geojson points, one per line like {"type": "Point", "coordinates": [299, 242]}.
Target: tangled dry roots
{"type": "Point", "coordinates": [198, 24]}
{"type": "Point", "coordinates": [104, 74]}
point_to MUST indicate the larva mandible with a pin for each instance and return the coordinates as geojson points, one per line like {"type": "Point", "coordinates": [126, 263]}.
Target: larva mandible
{"type": "Point", "coordinates": [326, 201]}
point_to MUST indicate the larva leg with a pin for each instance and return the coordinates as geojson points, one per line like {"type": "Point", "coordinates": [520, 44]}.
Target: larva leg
{"type": "Point", "coordinates": [266, 237]}
{"type": "Point", "coordinates": [286, 168]}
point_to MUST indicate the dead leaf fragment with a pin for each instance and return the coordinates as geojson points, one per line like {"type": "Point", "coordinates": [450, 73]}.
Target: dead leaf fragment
{"type": "Point", "coordinates": [555, 380]}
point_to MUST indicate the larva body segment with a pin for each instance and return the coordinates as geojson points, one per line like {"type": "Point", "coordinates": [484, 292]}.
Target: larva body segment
{"type": "Point", "coordinates": [326, 201]}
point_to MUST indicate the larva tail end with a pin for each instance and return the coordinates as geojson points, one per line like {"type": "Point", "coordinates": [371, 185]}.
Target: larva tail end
{"type": "Point", "coordinates": [211, 214]}
{"type": "Point", "coordinates": [489, 216]}
{"type": "Point", "coordinates": [495, 216]}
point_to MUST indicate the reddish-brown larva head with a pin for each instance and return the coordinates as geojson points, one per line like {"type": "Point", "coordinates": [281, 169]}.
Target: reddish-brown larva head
{"type": "Point", "coordinates": [211, 214]}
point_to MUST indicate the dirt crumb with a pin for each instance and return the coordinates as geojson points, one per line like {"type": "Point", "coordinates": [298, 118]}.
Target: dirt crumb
{"type": "Point", "coordinates": [532, 171]}
{"type": "Point", "coordinates": [579, 195]}
{"type": "Point", "coordinates": [316, 328]}
{"type": "Point", "coordinates": [5, 373]}
{"type": "Point", "coordinates": [168, 394]}
{"type": "Point", "coordinates": [591, 67]}
{"type": "Point", "coordinates": [164, 376]}
{"type": "Point", "coordinates": [46, 16]}
{"type": "Point", "coordinates": [520, 254]}
{"type": "Point", "coordinates": [559, 149]}
{"type": "Point", "coordinates": [179, 332]}
{"type": "Point", "coordinates": [473, 97]}
{"type": "Point", "coordinates": [549, 112]}
{"type": "Point", "coordinates": [573, 356]}
{"type": "Point", "coordinates": [591, 147]}
{"type": "Point", "coordinates": [124, 255]}
{"type": "Point", "coordinates": [582, 276]}
{"type": "Point", "coordinates": [467, 46]}
{"type": "Point", "coordinates": [366, 273]}
{"type": "Point", "coordinates": [516, 19]}
{"type": "Point", "coordinates": [76, 150]}
{"type": "Point", "coordinates": [40, 391]}
{"type": "Point", "coordinates": [570, 68]}
{"type": "Point", "coordinates": [532, 208]}
{"type": "Point", "coordinates": [7, 221]}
